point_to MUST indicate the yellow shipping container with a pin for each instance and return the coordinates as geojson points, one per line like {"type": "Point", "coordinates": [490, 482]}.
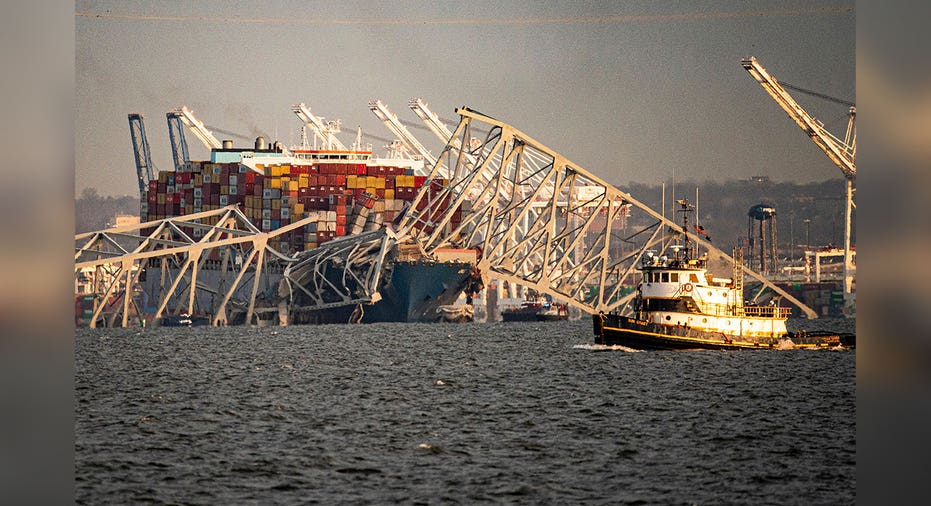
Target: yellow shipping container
{"type": "Point", "coordinates": [389, 193]}
{"type": "Point", "coordinates": [303, 180]}
{"type": "Point", "coordinates": [276, 204]}
{"type": "Point", "coordinates": [309, 245]}
{"type": "Point", "coordinates": [160, 198]}
{"type": "Point", "coordinates": [285, 170]}
{"type": "Point", "coordinates": [275, 182]}
{"type": "Point", "coordinates": [198, 180]}
{"type": "Point", "coordinates": [299, 210]}
{"type": "Point", "coordinates": [380, 183]}
{"type": "Point", "coordinates": [351, 181]}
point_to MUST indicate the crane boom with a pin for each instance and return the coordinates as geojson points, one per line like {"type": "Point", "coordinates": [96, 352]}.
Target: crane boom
{"type": "Point", "coordinates": [145, 169]}
{"type": "Point", "coordinates": [179, 151]}
{"type": "Point", "coordinates": [842, 153]}
{"type": "Point", "coordinates": [325, 131]}
{"type": "Point", "coordinates": [400, 131]}
{"type": "Point", "coordinates": [433, 122]}
{"type": "Point", "coordinates": [197, 127]}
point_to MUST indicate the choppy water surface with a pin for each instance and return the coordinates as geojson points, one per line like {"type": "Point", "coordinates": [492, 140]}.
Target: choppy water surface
{"type": "Point", "coordinates": [506, 412]}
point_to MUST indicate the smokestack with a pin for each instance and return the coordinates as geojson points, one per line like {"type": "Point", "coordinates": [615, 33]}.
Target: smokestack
{"type": "Point", "coordinates": [259, 142]}
{"type": "Point", "coordinates": [227, 144]}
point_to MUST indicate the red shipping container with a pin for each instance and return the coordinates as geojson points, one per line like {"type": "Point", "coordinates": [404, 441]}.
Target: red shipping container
{"type": "Point", "coordinates": [340, 230]}
{"type": "Point", "coordinates": [389, 183]}
{"type": "Point", "coordinates": [419, 181]}
{"type": "Point", "coordinates": [341, 218]}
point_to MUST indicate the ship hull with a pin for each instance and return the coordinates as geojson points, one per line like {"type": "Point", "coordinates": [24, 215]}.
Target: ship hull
{"type": "Point", "coordinates": [519, 316]}
{"type": "Point", "coordinates": [414, 293]}
{"type": "Point", "coordinates": [617, 330]}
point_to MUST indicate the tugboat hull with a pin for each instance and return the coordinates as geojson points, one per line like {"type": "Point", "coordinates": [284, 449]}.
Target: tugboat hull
{"type": "Point", "coordinates": [611, 329]}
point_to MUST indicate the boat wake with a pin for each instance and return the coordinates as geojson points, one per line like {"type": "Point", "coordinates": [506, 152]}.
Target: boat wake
{"type": "Point", "coordinates": [604, 347]}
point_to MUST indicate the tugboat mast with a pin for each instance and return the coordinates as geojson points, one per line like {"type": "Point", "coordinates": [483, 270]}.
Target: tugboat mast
{"type": "Point", "coordinates": [686, 208]}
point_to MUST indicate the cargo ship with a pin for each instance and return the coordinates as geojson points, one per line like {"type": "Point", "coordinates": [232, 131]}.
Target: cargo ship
{"type": "Point", "coordinates": [350, 191]}
{"type": "Point", "coordinates": [680, 305]}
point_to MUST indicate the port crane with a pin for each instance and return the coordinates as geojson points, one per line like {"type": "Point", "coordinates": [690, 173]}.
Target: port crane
{"type": "Point", "coordinates": [179, 151]}
{"type": "Point", "coordinates": [841, 152]}
{"type": "Point", "coordinates": [197, 127]}
{"type": "Point", "coordinates": [145, 169]}
{"type": "Point", "coordinates": [325, 131]}
{"type": "Point", "coordinates": [394, 125]}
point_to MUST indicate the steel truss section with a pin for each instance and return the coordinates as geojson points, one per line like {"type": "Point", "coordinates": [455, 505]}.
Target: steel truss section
{"type": "Point", "coordinates": [178, 250]}
{"type": "Point", "coordinates": [550, 226]}
{"type": "Point", "coordinates": [342, 272]}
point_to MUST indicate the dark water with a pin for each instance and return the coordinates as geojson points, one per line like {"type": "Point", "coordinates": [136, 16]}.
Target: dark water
{"type": "Point", "coordinates": [454, 413]}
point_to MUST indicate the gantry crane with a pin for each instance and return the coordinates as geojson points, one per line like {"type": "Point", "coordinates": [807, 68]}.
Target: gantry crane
{"type": "Point", "coordinates": [145, 169]}
{"type": "Point", "coordinates": [394, 125]}
{"type": "Point", "coordinates": [197, 127]}
{"type": "Point", "coordinates": [325, 131]}
{"type": "Point", "coordinates": [179, 151]}
{"type": "Point", "coordinates": [842, 152]}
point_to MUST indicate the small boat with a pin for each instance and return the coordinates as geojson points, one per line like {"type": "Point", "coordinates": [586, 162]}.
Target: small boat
{"type": "Point", "coordinates": [526, 312]}
{"type": "Point", "coordinates": [552, 312]}
{"type": "Point", "coordinates": [680, 305]}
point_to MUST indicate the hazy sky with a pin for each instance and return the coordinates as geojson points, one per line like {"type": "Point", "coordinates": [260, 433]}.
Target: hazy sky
{"type": "Point", "coordinates": [632, 91]}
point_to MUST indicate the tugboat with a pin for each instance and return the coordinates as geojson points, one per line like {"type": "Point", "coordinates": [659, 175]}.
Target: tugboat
{"type": "Point", "coordinates": [680, 305]}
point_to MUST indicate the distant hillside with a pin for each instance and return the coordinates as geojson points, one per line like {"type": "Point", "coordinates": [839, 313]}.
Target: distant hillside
{"type": "Point", "coordinates": [93, 212]}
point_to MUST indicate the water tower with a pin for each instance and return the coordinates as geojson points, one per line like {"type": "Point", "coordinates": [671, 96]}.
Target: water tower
{"type": "Point", "coordinates": [765, 253]}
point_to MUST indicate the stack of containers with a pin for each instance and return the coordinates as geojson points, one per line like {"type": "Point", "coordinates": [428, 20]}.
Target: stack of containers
{"type": "Point", "coordinates": [346, 198]}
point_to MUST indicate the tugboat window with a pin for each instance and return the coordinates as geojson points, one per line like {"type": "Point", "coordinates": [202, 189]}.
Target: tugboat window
{"type": "Point", "coordinates": [693, 277]}
{"type": "Point", "coordinates": [665, 278]}
{"type": "Point", "coordinates": [674, 277]}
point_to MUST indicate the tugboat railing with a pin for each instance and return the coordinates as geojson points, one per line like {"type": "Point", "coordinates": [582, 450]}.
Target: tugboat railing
{"type": "Point", "coordinates": [713, 309]}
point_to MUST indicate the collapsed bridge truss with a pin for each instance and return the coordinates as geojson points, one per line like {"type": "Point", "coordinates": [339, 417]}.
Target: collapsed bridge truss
{"type": "Point", "coordinates": [218, 263]}
{"type": "Point", "coordinates": [553, 227]}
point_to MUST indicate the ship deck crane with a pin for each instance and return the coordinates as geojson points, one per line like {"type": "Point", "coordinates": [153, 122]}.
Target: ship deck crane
{"type": "Point", "coordinates": [325, 131]}
{"type": "Point", "coordinates": [842, 152]}
{"type": "Point", "coordinates": [145, 169]}
{"type": "Point", "coordinates": [179, 151]}
{"type": "Point", "coordinates": [197, 127]}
